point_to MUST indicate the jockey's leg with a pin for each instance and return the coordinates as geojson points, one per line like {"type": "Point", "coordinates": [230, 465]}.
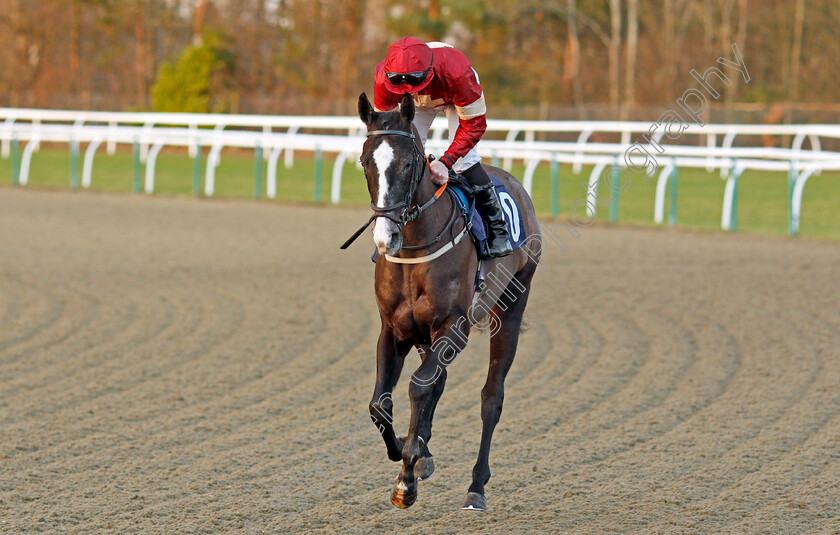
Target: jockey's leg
{"type": "Point", "coordinates": [491, 210]}
{"type": "Point", "coordinates": [485, 195]}
{"type": "Point", "coordinates": [423, 119]}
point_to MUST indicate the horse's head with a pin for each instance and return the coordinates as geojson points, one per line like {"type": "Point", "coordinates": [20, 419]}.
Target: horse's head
{"type": "Point", "coordinates": [393, 167]}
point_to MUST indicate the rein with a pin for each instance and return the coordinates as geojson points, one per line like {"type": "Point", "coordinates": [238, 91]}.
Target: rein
{"type": "Point", "coordinates": [408, 212]}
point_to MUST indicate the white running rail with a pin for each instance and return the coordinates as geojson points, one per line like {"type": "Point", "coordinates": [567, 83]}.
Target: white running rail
{"type": "Point", "coordinates": [343, 137]}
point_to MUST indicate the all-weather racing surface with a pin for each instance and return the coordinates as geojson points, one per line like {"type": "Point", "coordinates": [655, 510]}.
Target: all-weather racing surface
{"type": "Point", "coordinates": [170, 365]}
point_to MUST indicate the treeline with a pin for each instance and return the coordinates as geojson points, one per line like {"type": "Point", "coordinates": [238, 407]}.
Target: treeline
{"type": "Point", "coordinates": [315, 56]}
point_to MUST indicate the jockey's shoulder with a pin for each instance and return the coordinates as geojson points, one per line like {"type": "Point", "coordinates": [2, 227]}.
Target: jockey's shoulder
{"type": "Point", "coordinates": [449, 60]}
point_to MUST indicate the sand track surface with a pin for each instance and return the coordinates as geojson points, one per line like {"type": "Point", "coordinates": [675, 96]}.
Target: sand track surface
{"type": "Point", "coordinates": [174, 365]}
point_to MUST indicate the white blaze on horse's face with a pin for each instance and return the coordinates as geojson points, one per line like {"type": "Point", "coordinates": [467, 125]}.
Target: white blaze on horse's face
{"type": "Point", "coordinates": [386, 233]}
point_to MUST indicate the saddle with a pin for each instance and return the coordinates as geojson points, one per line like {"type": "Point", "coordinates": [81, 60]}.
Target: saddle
{"type": "Point", "coordinates": [465, 194]}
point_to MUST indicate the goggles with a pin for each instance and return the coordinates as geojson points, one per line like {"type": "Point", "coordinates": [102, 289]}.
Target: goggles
{"type": "Point", "coordinates": [410, 78]}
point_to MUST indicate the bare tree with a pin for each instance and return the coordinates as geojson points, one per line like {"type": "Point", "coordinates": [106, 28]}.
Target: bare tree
{"type": "Point", "coordinates": [677, 15]}
{"type": "Point", "coordinates": [707, 12]}
{"type": "Point", "coordinates": [796, 50]}
{"type": "Point", "coordinates": [615, 52]}
{"type": "Point", "coordinates": [571, 65]}
{"type": "Point", "coordinates": [632, 52]}
{"type": "Point", "coordinates": [198, 20]}
{"type": "Point", "coordinates": [140, 51]}
{"type": "Point", "coordinates": [73, 64]}
{"type": "Point", "coordinates": [314, 56]}
{"type": "Point", "coordinates": [612, 42]}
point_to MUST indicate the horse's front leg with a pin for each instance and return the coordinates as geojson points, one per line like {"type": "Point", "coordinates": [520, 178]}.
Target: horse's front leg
{"type": "Point", "coordinates": [425, 466]}
{"type": "Point", "coordinates": [390, 355]}
{"type": "Point", "coordinates": [426, 387]}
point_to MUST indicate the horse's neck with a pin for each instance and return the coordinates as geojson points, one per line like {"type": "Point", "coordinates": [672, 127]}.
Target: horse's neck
{"type": "Point", "coordinates": [430, 222]}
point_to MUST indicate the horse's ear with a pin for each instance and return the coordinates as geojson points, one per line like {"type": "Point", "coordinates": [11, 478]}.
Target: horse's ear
{"type": "Point", "coordinates": [407, 108]}
{"type": "Point", "coordinates": [365, 109]}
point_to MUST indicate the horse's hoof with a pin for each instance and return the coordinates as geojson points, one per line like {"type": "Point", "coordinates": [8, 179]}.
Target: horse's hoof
{"type": "Point", "coordinates": [475, 502]}
{"type": "Point", "coordinates": [424, 468]}
{"type": "Point", "coordinates": [402, 495]}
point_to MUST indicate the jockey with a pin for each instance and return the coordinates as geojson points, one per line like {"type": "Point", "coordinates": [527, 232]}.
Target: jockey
{"type": "Point", "coordinates": [441, 79]}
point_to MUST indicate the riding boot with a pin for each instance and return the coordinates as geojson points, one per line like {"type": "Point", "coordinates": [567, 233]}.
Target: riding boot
{"type": "Point", "coordinates": [488, 203]}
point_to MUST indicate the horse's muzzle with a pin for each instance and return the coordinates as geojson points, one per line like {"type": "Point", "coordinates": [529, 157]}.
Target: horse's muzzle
{"type": "Point", "coordinates": [394, 245]}
{"type": "Point", "coordinates": [387, 236]}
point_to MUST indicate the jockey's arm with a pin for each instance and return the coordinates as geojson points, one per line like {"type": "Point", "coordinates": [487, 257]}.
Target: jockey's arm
{"type": "Point", "coordinates": [472, 122]}
{"type": "Point", "coordinates": [384, 100]}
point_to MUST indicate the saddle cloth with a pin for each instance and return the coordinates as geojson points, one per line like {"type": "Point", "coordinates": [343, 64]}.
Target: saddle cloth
{"type": "Point", "coordinates": [477, 228]}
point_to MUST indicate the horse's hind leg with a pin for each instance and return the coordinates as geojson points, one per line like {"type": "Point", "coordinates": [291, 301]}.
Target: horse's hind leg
{"type": "Point", "coordinates": [502, 351]}
{"type": "Point", "coordinates": [390, 355]}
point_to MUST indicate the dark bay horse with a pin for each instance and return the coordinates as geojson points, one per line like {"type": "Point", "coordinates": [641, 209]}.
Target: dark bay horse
{"type": "Point", "coordinates": [426, 294]}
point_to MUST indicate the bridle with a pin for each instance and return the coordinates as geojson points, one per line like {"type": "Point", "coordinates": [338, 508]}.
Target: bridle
{"type": "Point", "coordinates": [407, 212]}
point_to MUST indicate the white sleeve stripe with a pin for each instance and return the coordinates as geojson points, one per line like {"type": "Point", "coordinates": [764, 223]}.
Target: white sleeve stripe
{"type": "Point", "coordinates": [377, 110]}
{"type": "Point", "coordinates": [473, 110]}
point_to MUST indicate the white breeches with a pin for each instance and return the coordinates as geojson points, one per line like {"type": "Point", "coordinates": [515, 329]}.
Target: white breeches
{"type": "Point", "coordinates": [423, 118]}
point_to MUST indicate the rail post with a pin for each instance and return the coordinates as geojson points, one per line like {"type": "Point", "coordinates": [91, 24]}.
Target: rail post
{"type": "Point", "coordinates": [555, 187]}
{"type": "Point", "coordinates": [15, 161]}
{"type": "Point", "coordinates": [614, 199]}
{"type": "Point", "coordinates": [258, 167]}
{"type": "Point", "coordinates": [791, 184]}
{"type": "Point", "coordinates": [197, 170]}
{"type": "Point", "coordinates": [87, 166]}
{"type": "Point", "coordinates": [74, 163]}
{"type": "Point", "coordinates": [733, 222]}
{"type": "Point", "coordinates": [319, 164]}
{"type": "Point", "coordinates": [136, 184]}
{"type": "Point", "coordinates": [729, 213]}
{"type": "Point", "coordinates": [672, 213]}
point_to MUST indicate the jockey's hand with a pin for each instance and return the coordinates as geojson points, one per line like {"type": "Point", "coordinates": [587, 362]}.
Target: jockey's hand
{"type": "Point", "coordinates": [440, 173]}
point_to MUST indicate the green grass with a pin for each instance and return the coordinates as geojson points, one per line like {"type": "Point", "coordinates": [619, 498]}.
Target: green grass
{"type": "Point", "coordinates": [762, 196]}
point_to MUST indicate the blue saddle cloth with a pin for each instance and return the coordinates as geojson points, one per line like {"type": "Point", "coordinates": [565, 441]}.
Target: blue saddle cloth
{"type": "Point", "coordinates": [477, 227]}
